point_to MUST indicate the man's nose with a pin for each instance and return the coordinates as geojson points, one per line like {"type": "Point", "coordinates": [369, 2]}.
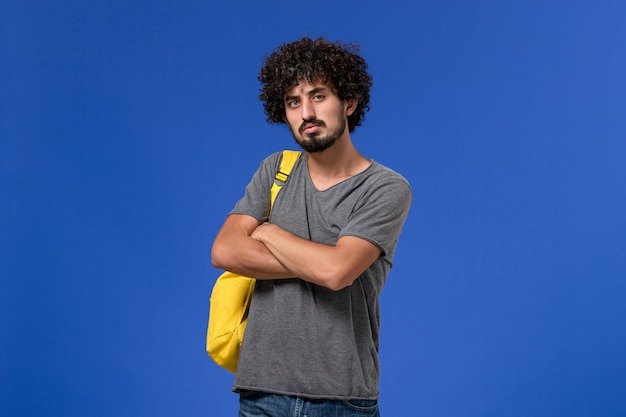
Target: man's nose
{"type": "Point", "coordinates": [308, 112]}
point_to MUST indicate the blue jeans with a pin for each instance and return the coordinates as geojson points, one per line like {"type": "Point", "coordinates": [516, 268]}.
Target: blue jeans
{"type": "Point", "coordinates": [258, 404]}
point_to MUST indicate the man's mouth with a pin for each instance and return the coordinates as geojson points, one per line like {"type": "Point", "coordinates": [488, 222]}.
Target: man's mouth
{"type": "Point", "coordinates": [310, 126]}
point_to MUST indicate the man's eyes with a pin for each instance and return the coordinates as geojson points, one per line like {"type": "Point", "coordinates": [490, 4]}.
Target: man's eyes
{"type": "Point", "coordinates": [296, 103]}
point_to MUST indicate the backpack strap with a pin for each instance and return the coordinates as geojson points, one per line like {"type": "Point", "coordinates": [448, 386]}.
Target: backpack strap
{"type": "Point", "coordinates": [286, 165]}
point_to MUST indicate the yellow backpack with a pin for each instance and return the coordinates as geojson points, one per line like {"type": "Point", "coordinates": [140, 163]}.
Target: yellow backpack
{"type": "Point", "coordinates": [232, 293]}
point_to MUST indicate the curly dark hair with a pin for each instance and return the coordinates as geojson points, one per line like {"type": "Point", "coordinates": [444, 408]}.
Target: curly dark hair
{"type": "Point", "coordinates": [337, 63]}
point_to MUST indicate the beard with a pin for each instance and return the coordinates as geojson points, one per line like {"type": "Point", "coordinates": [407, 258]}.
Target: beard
{"type": "Point", "coordinates": [315, 142]}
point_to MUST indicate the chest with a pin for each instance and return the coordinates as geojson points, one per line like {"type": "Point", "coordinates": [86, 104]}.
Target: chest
{"type": "Point", "coordinates": [317, 215]}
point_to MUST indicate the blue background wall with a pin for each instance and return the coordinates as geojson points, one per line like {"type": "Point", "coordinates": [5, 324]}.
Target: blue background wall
{"type": "Point", "coordinates": [128, 129]}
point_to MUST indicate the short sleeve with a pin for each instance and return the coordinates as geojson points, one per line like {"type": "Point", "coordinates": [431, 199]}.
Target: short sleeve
{"type": "Point", "coordinates": [381, 212]}
{"type": "Point", "coordinates": [256, 199]}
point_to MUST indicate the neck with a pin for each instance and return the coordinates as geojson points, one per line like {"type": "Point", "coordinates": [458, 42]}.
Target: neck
{"type": "Point", "coordinates": [335, 164]}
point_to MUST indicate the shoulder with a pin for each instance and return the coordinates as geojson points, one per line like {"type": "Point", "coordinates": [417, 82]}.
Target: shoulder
{"type": "Point", "coordinates": [269, 166]}
{"type": "Point", "coordinates": [273, 160]}
{"type": "Point", "coordinates": [383, 175]}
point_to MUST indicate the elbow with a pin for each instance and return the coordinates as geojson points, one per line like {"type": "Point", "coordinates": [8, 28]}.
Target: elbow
{"type": "Point", "coordinates": [336, 280]}
{"type": "Point", "coordinates": [219, 257]}
{"type": "Point", "coordinates": [337, 285]}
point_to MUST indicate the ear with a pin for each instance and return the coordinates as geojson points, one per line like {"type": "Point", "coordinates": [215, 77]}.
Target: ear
{"type": "Point", "coordinates": [351, 106]}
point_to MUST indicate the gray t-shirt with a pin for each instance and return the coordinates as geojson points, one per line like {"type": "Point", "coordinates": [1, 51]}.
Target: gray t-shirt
{"type": "Point", "coordinates": [303, 339]}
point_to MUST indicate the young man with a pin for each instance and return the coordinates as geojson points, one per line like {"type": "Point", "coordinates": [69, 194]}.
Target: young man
{"type": "Point", "coordinates": [322, 257]}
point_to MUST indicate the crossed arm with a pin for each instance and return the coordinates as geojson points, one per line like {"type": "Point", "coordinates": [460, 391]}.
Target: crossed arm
{"type": "Point", "coordinates": [267, 251]}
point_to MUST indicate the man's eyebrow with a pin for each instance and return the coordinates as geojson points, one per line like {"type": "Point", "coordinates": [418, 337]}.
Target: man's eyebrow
{"type": "Point", "coordinates": [312, 92]}
{"type": "Point", "coordinates": [317, 90]}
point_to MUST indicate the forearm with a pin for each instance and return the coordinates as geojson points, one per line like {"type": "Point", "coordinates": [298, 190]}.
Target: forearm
{"type": "Point", "coordinates": [234, 250]}
{"type": "Point", "coordinates": [301, 257]}
{"type": "Point", "coordinates": [251, 259]}
{"type": "Point", "coordinates": [334, 267]}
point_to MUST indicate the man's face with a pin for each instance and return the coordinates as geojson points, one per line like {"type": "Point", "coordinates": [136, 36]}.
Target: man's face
{"type": "Point", "coordinates": [315, 115]}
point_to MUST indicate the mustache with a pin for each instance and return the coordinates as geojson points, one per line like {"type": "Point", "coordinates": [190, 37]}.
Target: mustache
{"type": "Point", "coordinates": [310, 122]}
